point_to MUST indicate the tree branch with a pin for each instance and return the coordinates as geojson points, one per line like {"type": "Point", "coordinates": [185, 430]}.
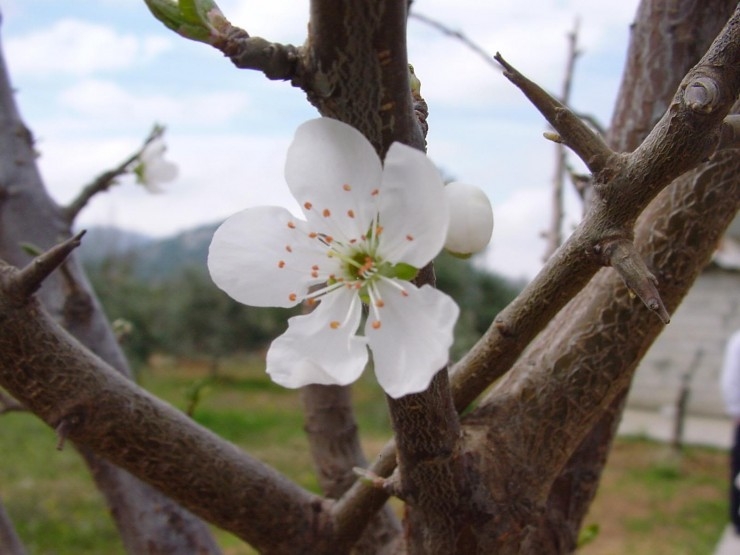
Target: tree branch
{"type": "Point", "coordinates": [577, 135]}
{"type": "Point", "coordinates": [336, 451]}
{"type": "Point", "coordinates": [623, 188]}
{"type": "Point", "coordinates": [107, 179]}
{"type": "Point", "coordinates": [458, 35]}
{"type": "Point", "coordinates": [102, 410]}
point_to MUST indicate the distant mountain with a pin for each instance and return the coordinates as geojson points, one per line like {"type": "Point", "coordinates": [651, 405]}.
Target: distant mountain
{"type": "Point", "coordinates": [102, 241]}
{"type": "Point", "coordinates": [148, 258]}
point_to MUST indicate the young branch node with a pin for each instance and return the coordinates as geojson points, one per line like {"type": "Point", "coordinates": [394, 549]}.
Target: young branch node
{"type": "Point", "coordinates": [703, 95]}
{"type": "Point", "coordinates": [65, 426]}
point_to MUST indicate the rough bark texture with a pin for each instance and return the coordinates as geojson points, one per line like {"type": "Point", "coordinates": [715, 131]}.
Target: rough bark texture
{"type": "Point", "coordinates": [358, 55]}
{"type": "Point", "coordinates": [518, 475]}
{"type": "Point", "coordinates": [94, 406]}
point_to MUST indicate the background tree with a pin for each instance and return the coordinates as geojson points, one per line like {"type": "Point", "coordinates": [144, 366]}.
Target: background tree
{"type": "Point", "coordinates": [518, 471]}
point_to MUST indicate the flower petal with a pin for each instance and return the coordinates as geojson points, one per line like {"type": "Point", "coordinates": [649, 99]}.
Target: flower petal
{"type": "Point", "coordinates": [413, 207]}
{"type": "Point", "coordinates": [264, 256]}
{"type": "Point", "coordinates": [321, 347]}
{"type": "Point", "coordinates": [414, 337]}
{"type": "Point", "coordinates": [332, 171]}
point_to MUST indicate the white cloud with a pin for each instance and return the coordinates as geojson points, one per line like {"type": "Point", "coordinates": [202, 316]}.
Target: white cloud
{"type": "Point", "coordinates": [283, 21]}
{"type": "Point", "coordinates": [533, 41]}
{"type": "Point", "coordinates": [95, 98]}
{"type": "Point", "coordinates": [76, 47]}
{"type": "Point", "coordinates": [233, 173]}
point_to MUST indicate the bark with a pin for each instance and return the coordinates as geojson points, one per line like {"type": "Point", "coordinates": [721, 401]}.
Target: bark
{"type": "Point", "coordinates": [28, 215]}
{"type": "Point", "coordinates": [97, 408]}
{"type": "Point", "coordinates": [595, 344]}
{"type": "Point", "coordinates": [357, 57]}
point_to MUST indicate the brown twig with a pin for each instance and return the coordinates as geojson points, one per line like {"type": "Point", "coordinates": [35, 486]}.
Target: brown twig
{"type": "Point", "coordinates": [554, 235]}
{"type": "Point", "coordinates": [458, 35]}
{"type": "Point", "coordinates": [588, 145]}
{"type": "Point", "coordinates": [107, 179]}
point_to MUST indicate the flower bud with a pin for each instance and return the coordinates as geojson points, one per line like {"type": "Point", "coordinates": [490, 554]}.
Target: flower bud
{"type": "Point", "coordinates": [199, 20]}
{"type": "Point", "coordinates": [152, 169]}
{"type": "Point", "coordinates": [471, 219]}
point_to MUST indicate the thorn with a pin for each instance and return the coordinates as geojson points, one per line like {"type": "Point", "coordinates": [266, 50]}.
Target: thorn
{"type": "Point", "coordinates": [27, 281]}
{"type": "Point", "coordinates": [622, 255]}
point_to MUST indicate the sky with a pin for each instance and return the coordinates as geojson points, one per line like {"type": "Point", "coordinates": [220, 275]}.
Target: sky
{"type": "Point", "coordinates": [93, 77]}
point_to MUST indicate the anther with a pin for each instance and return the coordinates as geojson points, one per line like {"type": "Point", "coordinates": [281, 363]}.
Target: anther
{"type": "Point", "coordinates": [409, 237]}
{"type": "Point", "coordinates": [376, 325]}
{"type": "Point", "coordinates": [334, 325]}
{"type": "Point", "coordinates": [347, 187]}
{"type": "Point", "coordinates": [326, 213]}
{"type": "Point", "coordinates": [292, 297]}
{"type": "Point", "coordinates": [374, 192]}
{"type": "Point", "coordinates": [307, 205]}
{"type": "Point", "coordinates": [351, 213]}
{"type": "Point", "coordinates": [288, 248]}
{"type": "Point", "coordinates": [291, 225]}
{"type": "Point", "coordinates": [281, 264]}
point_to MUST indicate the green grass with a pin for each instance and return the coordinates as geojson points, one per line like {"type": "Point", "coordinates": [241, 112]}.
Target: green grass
{"type": "Point", "coordinates": [649, 503]}
{"type": "Point", "coordinates": [652, 501]}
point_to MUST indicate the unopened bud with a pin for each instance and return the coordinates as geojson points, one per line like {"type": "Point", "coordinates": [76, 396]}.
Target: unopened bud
{"type": "Point", "coordinates": [471, 219]}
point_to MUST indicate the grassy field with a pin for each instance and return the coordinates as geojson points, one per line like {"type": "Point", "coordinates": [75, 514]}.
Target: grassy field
{"type": "Point", "coordinates": [650, 502]}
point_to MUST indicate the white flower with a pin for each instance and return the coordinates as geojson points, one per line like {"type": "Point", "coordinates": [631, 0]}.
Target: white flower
{"type": "Point", "coordinates": [471, 219]}
{"type": "Point", "coordinates": [368, 227]}
{"type": "Point", "coordinates": [152, 169]}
